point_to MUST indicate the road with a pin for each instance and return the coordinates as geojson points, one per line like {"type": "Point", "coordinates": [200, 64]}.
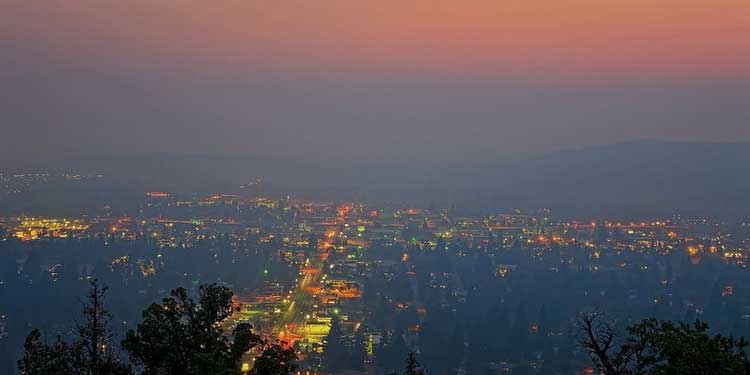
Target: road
{"type": "Point", "coordinates": [290, 327]}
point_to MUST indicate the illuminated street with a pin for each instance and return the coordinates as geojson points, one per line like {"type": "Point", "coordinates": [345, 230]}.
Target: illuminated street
{"type": "Point", "coordinates": [290, 326]}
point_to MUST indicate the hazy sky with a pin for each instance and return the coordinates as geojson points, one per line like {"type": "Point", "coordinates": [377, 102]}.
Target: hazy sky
{"type": "Point", "coordinates": [368, 80]}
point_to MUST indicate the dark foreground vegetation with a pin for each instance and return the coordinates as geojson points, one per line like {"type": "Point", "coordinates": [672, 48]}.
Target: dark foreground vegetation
{"type": "Point", "coordinates": [178, 336]}
{"type": "Point", "coordinates": [656, 347]}
{"type": "Point", "coordinates": [186, 336]}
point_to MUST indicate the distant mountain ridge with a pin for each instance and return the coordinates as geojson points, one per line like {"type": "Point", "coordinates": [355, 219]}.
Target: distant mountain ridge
{"type": "Point", "coordinates": [636, 179]}
{"type": "Point", "coordinates": [641, 177]}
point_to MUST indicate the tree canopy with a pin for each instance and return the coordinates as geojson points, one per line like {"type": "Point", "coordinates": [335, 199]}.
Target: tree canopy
{"type": "Point", "coordinates": [275, 359]}
{"type": "Point", "coordinates": [654, 347]}
{"type": "Point", "coordinates": [91, 352]}
{"type": "Point", "coordinates": [412, 366]}
{"type": "Point", "coordinates": [182, 336]}
{"type": "Point", "coordinates": [178, 336]}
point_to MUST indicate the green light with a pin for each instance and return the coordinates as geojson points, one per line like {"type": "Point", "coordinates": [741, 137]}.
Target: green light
{"type": "Point", "coordinates": [265, 272]}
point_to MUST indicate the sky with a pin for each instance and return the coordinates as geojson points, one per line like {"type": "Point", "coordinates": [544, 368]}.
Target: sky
{"type": "Point", "coordinates": [345, 80]}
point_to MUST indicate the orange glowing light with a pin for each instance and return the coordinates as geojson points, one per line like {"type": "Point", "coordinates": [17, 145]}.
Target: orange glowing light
{"type": "Point", "coordinates": [157, 194]}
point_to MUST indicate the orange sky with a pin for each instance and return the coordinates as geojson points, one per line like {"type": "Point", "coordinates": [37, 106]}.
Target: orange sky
{"type": "Point", "coordinates": [557, 39]}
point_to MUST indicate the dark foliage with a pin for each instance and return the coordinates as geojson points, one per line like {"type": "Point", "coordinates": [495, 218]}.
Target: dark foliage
{"type": "Point", "coordinates": [275, 359]}
{"type": "Point", "coordinates": [412, 366]}
{"type": "Point", "coordinates": [91, 351]}
{"type": "Point", "coordinates": [654, 347]}
{"type": "Point", "coordinates": [182, 336]}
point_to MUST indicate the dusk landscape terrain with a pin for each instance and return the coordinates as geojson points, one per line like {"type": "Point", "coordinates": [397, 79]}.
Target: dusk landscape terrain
{"type": "Point", "coordinates": [375, 187]}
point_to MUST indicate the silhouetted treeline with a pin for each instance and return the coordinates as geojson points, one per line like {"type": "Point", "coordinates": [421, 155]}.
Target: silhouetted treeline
{"type": "Point", "coordinates": [178, 336]}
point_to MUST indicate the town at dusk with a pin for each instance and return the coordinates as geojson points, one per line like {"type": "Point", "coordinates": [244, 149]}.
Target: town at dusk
{"type": "Point", "coordinates": [375, 187]}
